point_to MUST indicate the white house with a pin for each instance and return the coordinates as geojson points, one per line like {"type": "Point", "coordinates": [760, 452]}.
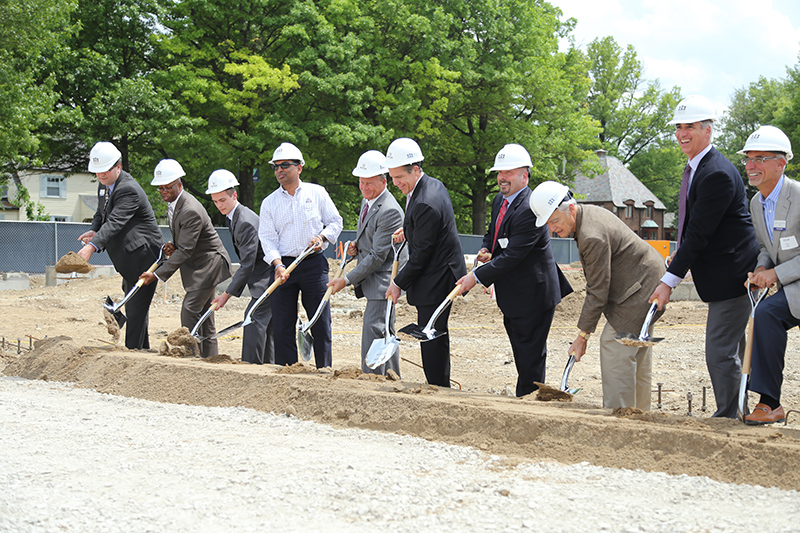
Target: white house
{"type": "Point", "coordinates": [65, 197]}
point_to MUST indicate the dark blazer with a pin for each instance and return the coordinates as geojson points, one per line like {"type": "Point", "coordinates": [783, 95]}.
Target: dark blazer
{"type": "Point", "coordinates": [253, 270]}
{"type": "Point", "coordinates": [126, 227]}
{"type": "Point", "coordinates": [524, 271]}
{"type": "Point", "coordinates": [199, 252]}
{"type": "Point", "coordinates": [435, 259]}
{"type": "Point", "coordinates": [719, 243]}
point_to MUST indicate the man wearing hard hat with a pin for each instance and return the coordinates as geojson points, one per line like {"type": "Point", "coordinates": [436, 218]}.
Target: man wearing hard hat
{"type": "Point", "coordinates": [621, 272]}
{"type": "Point", "coordinates": [293, 217]}
{"type": "Point", "coordinates": [196, 250]}
{"type": "Point", "coordinates": [123, 225]}
{"type": "Point", "coordinates": [435, 259]}
{"type": "Point", "coordinates": [518, 260]}
{"type": "Point", "coordinates": [254, 272]}
{"type": "Point", "coordinates": [776, 217]}
{"type": "Point", "coordinates": [717, 242]}
{"type": "Point", "coordinates": [380, 216]}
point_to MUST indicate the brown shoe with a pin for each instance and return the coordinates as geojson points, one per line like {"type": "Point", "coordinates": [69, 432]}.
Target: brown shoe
{"type": "Point", "coordinates": [762, 414]}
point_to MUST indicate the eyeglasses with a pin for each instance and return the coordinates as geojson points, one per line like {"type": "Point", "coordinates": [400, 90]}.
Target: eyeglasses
{"type": "Point", "coordinates": [165, 188]}
{"type": "Point", "coordinates": [758, 160]}
{"type": "Point", "coordinates": [284, 165]}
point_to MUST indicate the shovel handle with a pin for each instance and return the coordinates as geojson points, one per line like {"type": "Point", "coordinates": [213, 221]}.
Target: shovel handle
{"type": "Point", "coordinates": [150, 270]}
{"type": "Point", "coordinates": [454, 292]}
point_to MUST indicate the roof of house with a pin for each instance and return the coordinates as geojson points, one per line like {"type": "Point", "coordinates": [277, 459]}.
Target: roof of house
{"type": "Point", "coordinates": [616, 184]}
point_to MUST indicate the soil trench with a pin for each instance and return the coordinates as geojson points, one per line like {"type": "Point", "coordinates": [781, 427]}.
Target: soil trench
{"type": "Point", "coordinates": [521, 429]}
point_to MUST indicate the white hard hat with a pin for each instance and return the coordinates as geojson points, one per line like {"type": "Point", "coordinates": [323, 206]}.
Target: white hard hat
{"type": "Point", "coordinates": [545, 198]}
{"type": "Point", "coordinates": [287, 151]}
{"type": "Point", "coordinates": [693, 109]}
{"type": "Point", "coordinates": [221, 180]}
{"type": "Point", "coordinates": [370, 164]}
{"type": "Point", "coordinates": [403, 151]}
{"type": "Point", "coordinates": [768, 139]}
{"type": "Point", "coordinates": [103, 156]}
{"type": "Point", "coordinates": [512, 156]}
{"type": "Point", "coordinates": [167, 171]}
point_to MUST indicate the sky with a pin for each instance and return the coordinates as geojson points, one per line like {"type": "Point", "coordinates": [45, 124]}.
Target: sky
{"type": "Point", "coordinates": [708, 47]}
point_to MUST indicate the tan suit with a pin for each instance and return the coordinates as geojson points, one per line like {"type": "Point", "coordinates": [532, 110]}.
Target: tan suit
{"type": "Point", "coordinates": [203, 262]}
{"type": "Point", "coordinates": [622, 271]}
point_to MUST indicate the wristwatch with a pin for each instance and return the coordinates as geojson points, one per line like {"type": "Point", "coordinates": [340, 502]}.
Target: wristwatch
{"type": "Point", "coordinates": [584, 335]}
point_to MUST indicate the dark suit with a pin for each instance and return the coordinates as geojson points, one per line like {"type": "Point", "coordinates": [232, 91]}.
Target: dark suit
{"type": "Point", "coordinates": [203, 262]}
{"type": "Point", "coordinates": [372, 275]}
{"type": "Point", "coordinates": [126, 228]}
{"type": "Point", "coordinates": [435, 262]}
{"type": "Point", "coordinates": [528, 284]}
{"type": "Point", "coordinates": [719, 245]}
{"type": "Point", "coordinates": [255, 273]}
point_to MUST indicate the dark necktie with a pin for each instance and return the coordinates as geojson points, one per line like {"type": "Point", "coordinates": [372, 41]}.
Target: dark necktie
{"type": "Point", "coordinates": [500, 216]}
{"type": "Point", "coordinates": [364, 215]}
{"type": "Point", "coordinates": [682, 201]}
{"type": "Point", "coordinates": [229, 222]}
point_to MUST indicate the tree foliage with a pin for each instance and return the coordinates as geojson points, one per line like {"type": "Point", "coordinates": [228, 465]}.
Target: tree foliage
{"type": "Point", "coordinates": [633, 112]}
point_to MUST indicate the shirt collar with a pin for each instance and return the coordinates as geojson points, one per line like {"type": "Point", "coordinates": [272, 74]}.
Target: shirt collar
{"type": "Point", "coordinates": [230, 215]}
{"type": "Point", "coordinates": [695, 161]}
{"type": "Point", "coordinates": [512, 197]}
{"type": "Point", "coordinates": [773, 196]}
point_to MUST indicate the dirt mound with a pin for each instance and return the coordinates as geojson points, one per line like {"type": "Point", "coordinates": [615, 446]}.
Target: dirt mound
{"type": "Point", "coordinates": [181, 343]}
{"type": "Point", "coordinates": [297, 368]}
{"type": "Point", "coordinates": [72, 262]}
{"type": "Point", "coordinates": [546, 393]}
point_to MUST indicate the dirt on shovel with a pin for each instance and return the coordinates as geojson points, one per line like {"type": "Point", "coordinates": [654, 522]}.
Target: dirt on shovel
{"type": "Point", "coordinates": [546, 393]}
{"type": "Point", "coordinates": [72, 262]}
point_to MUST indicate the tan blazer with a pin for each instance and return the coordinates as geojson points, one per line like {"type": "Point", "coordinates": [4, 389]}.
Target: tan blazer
{"type": "Point", "coordinates": [199, 252]}
{"type": "Point", "coordinates": [783, 257]}
{"type": "Point", "coordinates": [621, 270]}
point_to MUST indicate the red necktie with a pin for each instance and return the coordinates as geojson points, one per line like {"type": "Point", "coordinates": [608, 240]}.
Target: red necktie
{"type": "Point", "coordinates": [499, 221]}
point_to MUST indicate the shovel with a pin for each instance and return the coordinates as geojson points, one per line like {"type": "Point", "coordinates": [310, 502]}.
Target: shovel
{"type": "Point", "coordinates": [428, 333]}
{"type": "Point", "coordinates": [644, 339]}
{"type": "Point", "coordinates": [381, 350]}
{"type": "Point", "coordinates": [755, 298]}
{"type": "Point", "coordinates": [114, 309]}
{"type": "Point", "coordinates": [275, 284]}
{"type": "Point", "coordinates": [305, 340]}
{"type": "Point", "coordinates": [564, 387]}
{"type": "Point", "coordinates": [203, 318]}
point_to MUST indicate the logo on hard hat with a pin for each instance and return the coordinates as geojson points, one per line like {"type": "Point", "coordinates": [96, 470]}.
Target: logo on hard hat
{"type": "Point", "coordinates": [682, 107]}
{"type": "Point", "coordinates": [755, 136]}
{"type": "Point", "coordinates": [95, 159]}
{"type": "Point", "coordinates": [410, 155]}
{"type": "Point", "coordinates": [501, 156]}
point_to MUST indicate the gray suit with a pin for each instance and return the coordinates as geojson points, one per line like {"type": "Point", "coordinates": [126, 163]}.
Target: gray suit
{"type": "Point", "coordinates": [203, 262]}
{"type": "Point", "coordinates": [257, 344]}
{"type": "Point", "coordinates": [781, 311]}
{"type": "Point", "coordinates": [372, 276]}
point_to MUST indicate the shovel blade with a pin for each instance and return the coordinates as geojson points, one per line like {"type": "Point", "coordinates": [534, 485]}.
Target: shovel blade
{"type": "Point", "coordinates": [420, 333]}
{"type": "Point", "coordinates": [305, 341]}
{"type": "Point", "coordinates": [108, 305]}
{"type": "Point", "coordinates": [232, 327]}
{"type": "Point", "coordinates": [628, 339]}
{"type": "Point", "coordinates": [380, 351]}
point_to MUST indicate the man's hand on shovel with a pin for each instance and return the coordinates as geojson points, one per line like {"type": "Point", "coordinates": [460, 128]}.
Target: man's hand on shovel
{"type": "Point", "coordinates": [398, 236]}
{"type": "Point", "coordinates": [467, 282]}
{"type": "Point", "coordinates": [578, 348]}
{"type": "Point", "coordinates": [168, 248]}
{"type": "Point", "coordinates": [762, 278]}
{"type": "Point", "coordinates": [221, 300]}
{"type": "Point", "coordinates": [147, 278]}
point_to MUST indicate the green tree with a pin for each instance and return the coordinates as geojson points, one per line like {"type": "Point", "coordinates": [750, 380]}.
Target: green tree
{"type": "Point", "coordinates": [766, 101]}
{"type": "Point", "coordinates": [633, 112]}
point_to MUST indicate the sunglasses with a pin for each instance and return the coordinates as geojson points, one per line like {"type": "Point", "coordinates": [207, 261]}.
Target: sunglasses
{"type": "Point", "coordinates": [284, 165]}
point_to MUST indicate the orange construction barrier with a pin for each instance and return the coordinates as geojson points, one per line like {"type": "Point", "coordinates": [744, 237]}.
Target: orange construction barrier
{"type": "Point", "coordinates": [661, 247]}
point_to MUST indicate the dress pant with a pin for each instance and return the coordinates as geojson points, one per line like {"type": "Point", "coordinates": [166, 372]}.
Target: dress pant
{"type": "Point", "coordinates": [257, 344]}
{"type": "Point", "coordinates": [773, 319]}
{"type": "Point", "coordinates": [725, 343]}
{"type": "Point", "coordinates": [137, 310]}
{"type": "Point", "coordinates": [195, 303]}
{"type": "Point", "coordinates": [625, 371]}
{"type": "Point", "coordinates": [528, 337]}
{"type": "Point", "coordinates": [436, 352]}
{"type": "Point", "coordinates": [310, 279]}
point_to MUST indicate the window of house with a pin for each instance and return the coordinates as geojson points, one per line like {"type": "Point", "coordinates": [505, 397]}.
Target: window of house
{"type": "Point", "coordinates": [53, 186]}
{"type": "Point", "coordinates": [648, 211]}
{"type": "Point", "coordinates": [60, 218]}
{"type": "Point", "coordinates": [628, 211]}
{"type": "Point", "coordinates": [4, 191]}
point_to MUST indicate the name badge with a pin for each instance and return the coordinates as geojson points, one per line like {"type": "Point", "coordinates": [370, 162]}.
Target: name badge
{"type": "Point", "coordinates": [779, 225]}
{"type": "Point", "coordinates": [102, 192]}
{"type": "Point", "coordinates": [788, 243]}
{"type": "Point", "coordinates": [503, 242]}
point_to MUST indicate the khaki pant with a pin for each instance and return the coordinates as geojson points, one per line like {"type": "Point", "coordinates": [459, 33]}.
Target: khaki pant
{"type": "Point", "coordinates": [625, 371]}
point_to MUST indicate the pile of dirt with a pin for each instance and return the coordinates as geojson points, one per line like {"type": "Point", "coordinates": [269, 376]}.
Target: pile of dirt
{"type": "Point", "coordinates": [112, 326]}
{"type": "Point", "coordinates": [72, 262]}
{"type": "Point", "coordinates": [180, 343]}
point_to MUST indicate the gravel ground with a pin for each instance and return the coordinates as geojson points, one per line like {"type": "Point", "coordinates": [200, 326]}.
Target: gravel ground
{"type": "Point", "coordinates": [75, 460]}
